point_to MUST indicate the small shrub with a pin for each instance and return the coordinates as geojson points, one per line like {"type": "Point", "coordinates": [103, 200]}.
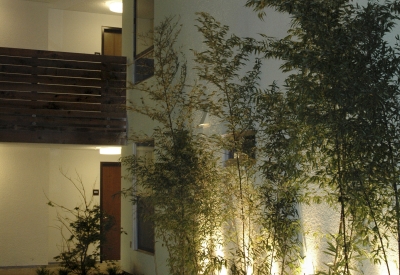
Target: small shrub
{"type": "Point", "coordinates": [113, 269]}
{"type": "Point", "coordinates": [81, 248]}
{"type": "Point", "coordinates": [43, 271]}
{"type": "Point", "coordinates": [63, 271]}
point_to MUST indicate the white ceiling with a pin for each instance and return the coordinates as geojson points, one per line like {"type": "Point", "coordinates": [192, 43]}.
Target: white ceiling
{"type": "Point", "coordinates": [93, 6]}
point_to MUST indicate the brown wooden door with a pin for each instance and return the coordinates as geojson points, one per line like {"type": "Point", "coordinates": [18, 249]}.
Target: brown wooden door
{"type": "Point", "coordinates": [112, 41]}
{"type": "Point", "coordinates": [110, 203]}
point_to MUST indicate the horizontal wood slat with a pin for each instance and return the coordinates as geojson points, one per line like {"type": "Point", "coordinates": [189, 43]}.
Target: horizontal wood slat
{"type": "Point", "coordinates": [17, 69]}
{"type": "Point", "coordinates": [31, 78]}
{"type": "Point", "coordinates": [117, 114]}
{"type": "Point", "coordinates": [6, 86]}
{"type": "Point", "coordinates": [61, 137]}
{"type": "Point", "coordinates": [61, 55]}
{"type": "Point", "coordinates": [63, 64]}
{"type": "Point", "coordinates": [57, 97]}
{"type": "Point", "coordinates": [40, 121]}
{"type": "Point", "coordinates": [50, 97]}
{"type": "Point", "coordinates": [105, 108]}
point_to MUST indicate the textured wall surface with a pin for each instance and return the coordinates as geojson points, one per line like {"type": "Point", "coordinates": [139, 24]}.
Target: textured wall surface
{"type": "Point", "coordinates": [78, 164]}
{"type": "Point", "coordinates": [31, 25]}
{"type": "Point", "coordinates": [23, 211]}
{"type": "Point", "coordinates": [79, 32]}
{"type": "Point", "coordinates": [23, 24]}
{"type": "Point", "coordinates": [317, 220]}
{"type": "Point", "coordinates": [242, 22]}
{"type": "Point", "coordinates": [29, 173]}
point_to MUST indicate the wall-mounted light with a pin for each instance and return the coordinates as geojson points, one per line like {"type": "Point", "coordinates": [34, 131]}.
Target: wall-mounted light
{"type": "Point", "coordinates": [115, 6]}
{"type": "Point", "coordinates": [203, 123]}
{"type": "Point", "coordinates": [110, 150]}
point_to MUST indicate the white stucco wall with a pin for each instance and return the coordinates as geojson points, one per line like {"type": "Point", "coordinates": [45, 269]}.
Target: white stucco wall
{"type": "Point", "coordinates": [243, 22]}
{"type": "Point", "coordinates": [23, 24]}
{"type": "Point", "coordinates": [131, 259]}
{"type": "Point", "coordinates": [29, 173]}
{"type": "Point", "coordinates": [32, 25]}
{"type": "Point", "coordinates": [75, 163]}
{"type": "Point", "coordinates": [23, 212]}
{"type": "Point", "coordinates": [79, 32]}
{"type": "Point", "coordinates": [318, 219]}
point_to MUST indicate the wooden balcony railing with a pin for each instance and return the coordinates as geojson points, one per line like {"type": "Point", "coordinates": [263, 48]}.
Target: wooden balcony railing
{"type": "Point", "coordinates": [62, 98]}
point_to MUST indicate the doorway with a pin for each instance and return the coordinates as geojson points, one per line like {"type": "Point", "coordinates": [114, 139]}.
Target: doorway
{"type": "Point", "coordinates": [110, 204]}
{"type": "Point", "coordinates": [111, 41]}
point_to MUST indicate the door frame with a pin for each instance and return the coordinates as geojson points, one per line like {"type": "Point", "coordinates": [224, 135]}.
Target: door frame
{"type": "Point", "coordinates": [110, 30]}
{"type": "Point", "coordinates": [102, 194]}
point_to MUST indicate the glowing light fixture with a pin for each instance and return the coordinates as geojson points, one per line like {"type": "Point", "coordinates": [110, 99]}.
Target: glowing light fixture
{"type": "Point", "coordinates": [203, 123]}
{"type": "Point", "coordinates": [110, 150]}
{"type": "Point", "coordinates": [115, 6]}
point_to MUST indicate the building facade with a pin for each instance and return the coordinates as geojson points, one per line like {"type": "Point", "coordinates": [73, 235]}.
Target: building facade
{"type": "Point", "coordinates": [242, 22]}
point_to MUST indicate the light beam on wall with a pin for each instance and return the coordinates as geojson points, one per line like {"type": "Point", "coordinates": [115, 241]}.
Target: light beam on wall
{"type": "Point", "coordinates": [308, 265]}
{"type": "Point", "coordinates": [115, 6]}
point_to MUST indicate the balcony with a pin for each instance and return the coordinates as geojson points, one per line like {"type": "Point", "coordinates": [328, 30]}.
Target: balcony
{"type": "Point", "coordinates": [62, 98]}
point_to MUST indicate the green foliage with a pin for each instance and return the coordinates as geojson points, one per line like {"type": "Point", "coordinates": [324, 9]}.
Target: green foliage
{"type": "Point", "coordinates": [43, 271]}
{"type": "Point", "coordinates": [262, 217]}
{"type": "Point", "coordinates": [257, 238]}
{"type": "Point", "coordinates": [63, 271]}
{"type": "Point", "coordinates": [334, 128]}
{"type": "Point", "coordinates": [208, 216]}
{"type": "Point", "coordinates": [181, 183]}
{"type": "Point", "coordinates": [113, 268]}
{"type": "Point", "coordinates": [343, 92]}
{"type": "Point", "coordinates": [81, 247]}
{"type": "Point", "coordinates": [281, 189]}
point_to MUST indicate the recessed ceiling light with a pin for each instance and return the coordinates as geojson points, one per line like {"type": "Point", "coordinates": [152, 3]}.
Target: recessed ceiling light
{"type": "Point", "coordinates": [110, 150]}
{"type": "Point", "coordinates": [115, 6]}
